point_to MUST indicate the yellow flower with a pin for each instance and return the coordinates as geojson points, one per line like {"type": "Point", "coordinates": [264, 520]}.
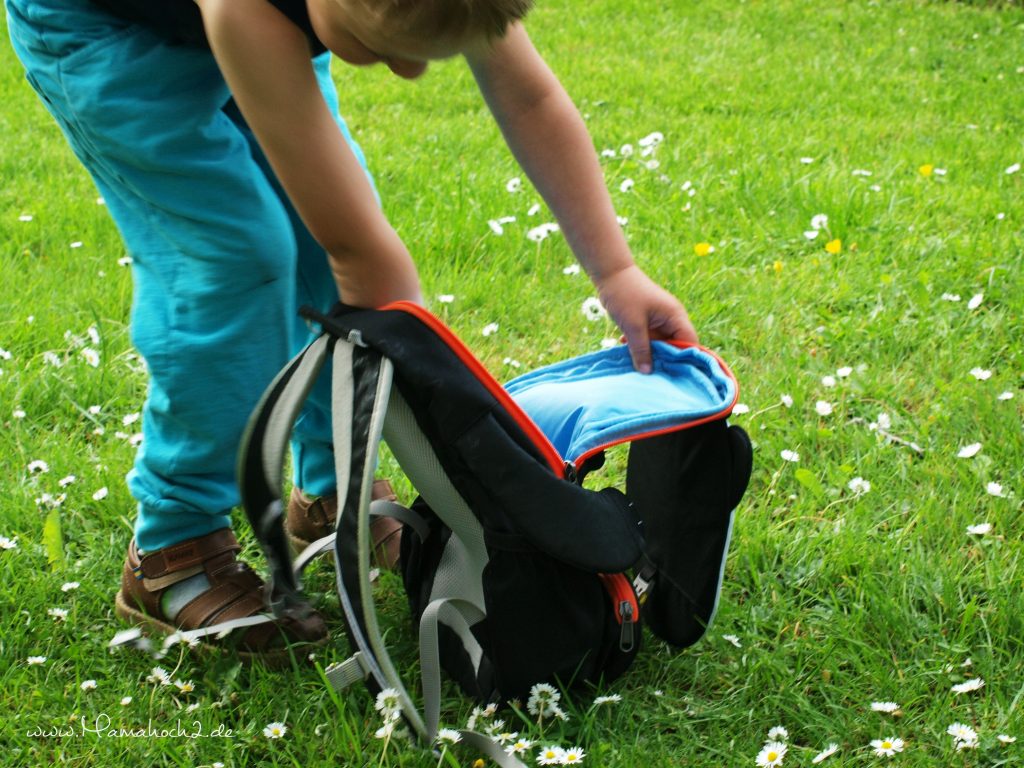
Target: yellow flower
{"type": "Point", "coordinates": [777, 266]}
{"type": "Point", "coordinates": [478, 763]}
{"type": "Point", "coordinates": [926, 170]}
{"type": "Point", "coordinates": [834, 246]}
{"type": "Point", "coordinates": [703, 249]}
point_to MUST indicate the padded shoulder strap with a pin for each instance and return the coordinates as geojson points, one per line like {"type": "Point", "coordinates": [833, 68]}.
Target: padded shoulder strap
{"type": "Point", "coordinates": [260, 466]}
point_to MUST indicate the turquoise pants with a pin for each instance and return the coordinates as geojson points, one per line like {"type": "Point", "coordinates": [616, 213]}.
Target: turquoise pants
{"type": "Point", "coordinates": [220, 260]}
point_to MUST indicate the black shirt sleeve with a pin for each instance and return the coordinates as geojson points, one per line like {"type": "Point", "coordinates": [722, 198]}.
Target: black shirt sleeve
{"type": "Point", "coordinates": [181, 22]}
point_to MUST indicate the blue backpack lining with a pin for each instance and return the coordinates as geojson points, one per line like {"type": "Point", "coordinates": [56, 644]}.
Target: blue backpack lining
{"type": "Point", "coordinates": [597, 400]}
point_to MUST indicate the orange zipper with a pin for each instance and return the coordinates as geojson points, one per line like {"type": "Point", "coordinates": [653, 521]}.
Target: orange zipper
{"type": "Point", "coordinates": [625, 607]}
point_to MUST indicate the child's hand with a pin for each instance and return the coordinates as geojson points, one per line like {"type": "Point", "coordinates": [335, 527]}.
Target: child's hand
{"type": "Point", "coordinates": [643, 311]}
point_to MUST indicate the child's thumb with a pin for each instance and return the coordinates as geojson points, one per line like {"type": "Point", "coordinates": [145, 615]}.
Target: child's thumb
{"type": "Point", "coordinates": [639, 342]}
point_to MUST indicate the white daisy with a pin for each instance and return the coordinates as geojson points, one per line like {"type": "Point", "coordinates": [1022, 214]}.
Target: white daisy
{"type": "Point", "coordinates": [539, 233]}
{"type": "Point", "coordinates": [388, 702]}
{"type": "Point", "coordinates": [550, 756]}
{"type": "Point", "coordinates": [446, 298]}
{"type": "Point", "coordinates": [613, 698]}
{"type": "Point", "coordinates": [828, 381]}
{"type": "Point", "coordinates": [810, 234]}
{"type": "Point", "coordinates": [626, 150]}
{"type": "Point", "coordinates": [843, 372]}
{"type": "Point", "coordinates": [1011, 169]}
{"type": "Point", "coordinates": [981, 374]}
{"type": "Point", "coordinates": [92, 357]}
{"type": "Point", "coordinates": [951, 297]}
{"type": "Point", "coordinates": [70, 585]}
{"type": "Point", "coordinates": [126, 700]}
{"type": "Point", "coordinates": [593, 310]}
{"type": "Point", "coordinates": [887, 747]}
{"type": "Point", "coordinates": [969, 451]}
{"type": "Point", "coordinates": [185, 686]}
{"type": "Point", "coordinates": [979, 529]}
{"type": "Point", "coordinates": [1005, 739]}
{"type": "Point", "coordinates": [966, 744]}
{"type": "Point", "coordinates": [159, 675]}
{"type": "Point", "coordinates": [36, 661]}
{"type": "Point", "coordinates": [787, 401]}
{"type": "Point", "coordinates": [514, 184]}
{"type": "Point", "coordinates": [995, 489]}
{"type": "Point", "coordinates": [1005, 396]}
{"type": "Point", "coordinates": [859, 485]}
{"type": "Point", "coordinates": [572, 269]}
{"type": "Point", "coordinates": [519, 747]}
{"type": "Point", "coordinates": [732, 639]}
{"type": "Point", "coordinates": [88, 685]}
{"type": "Point", "coordinates": [974, 684]}
{"type": "Point", "coordinates": [543, 700]}
{"type": "Point", "coordinates": [100, 494]}
{"type": "Point", "coordinates": [975, 301]}
{"type": "Point", "coordinates": [771, 754]}
{"type": "Point", "coordinates": [778, 733]}
{"type": "Point", "coordinates": [823, 408]}
{"type": "Point", "coordinates": [740, 408]}
{"type": "Point", "coordinates": [652, 139]}
{"type": "Point", "coordinates": [573, 756]}
{"type": "Point", "coordinates": [20, 414]}
{"type": "Point", "coordinates": [819, 221]}
{"type": "Point", "coordinates": [806, 160]}
{"type": "Point", "coordinates": [626, 185]}
{"type": "Point", "coordinates": [275, 730]}
{"type": "Point", "coordinates": [490, 329]}
{"type": "Point", "coordinates": [6, 543]}
{"type": "Point", "coordinates": [38, 465]}
{"type": "Point", "coordinates": [830, 750]}
{"type": "Point", "coordinates": [789, 455]}
{"type": "Point", "coordinates": [962, 732]}
{"type": "Point", "coordinates": [448, 736]}
{"type": "Point", "coordinates": [889, 707]}
{"type": "Point", "coordinates": [60, 614]}
{"type": "Point", "coordinates": [534, 210]}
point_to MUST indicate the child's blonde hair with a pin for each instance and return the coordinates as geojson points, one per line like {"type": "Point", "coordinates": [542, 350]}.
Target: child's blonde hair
{"type": "Point", "coordinates": [446, 18]}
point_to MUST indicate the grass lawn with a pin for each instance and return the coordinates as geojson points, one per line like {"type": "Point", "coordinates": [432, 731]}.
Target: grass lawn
{"type": "Point", "coordinates": [837, 199]}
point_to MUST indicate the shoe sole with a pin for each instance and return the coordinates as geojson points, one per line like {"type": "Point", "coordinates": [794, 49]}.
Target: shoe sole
{"type": "Point", "coordinates": [271, 658]}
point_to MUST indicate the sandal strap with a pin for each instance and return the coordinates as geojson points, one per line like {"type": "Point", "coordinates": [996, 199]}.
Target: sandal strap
{"type": "Point", "coordinates": [235, 596]}
{"type": "Point", "coordinates": [186, 555]}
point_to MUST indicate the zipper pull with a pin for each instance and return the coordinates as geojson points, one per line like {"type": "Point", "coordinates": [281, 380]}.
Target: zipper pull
{"type": "Point", "coordinates": [642, 583]}
{"type": "Point", "coordinates": [626, 637]}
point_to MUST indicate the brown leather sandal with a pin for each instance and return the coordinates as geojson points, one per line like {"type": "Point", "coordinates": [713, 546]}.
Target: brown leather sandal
{"type": "Point", "coordinates": [235, 592]}
{"type": "Point", "coordinates": [309, 519]}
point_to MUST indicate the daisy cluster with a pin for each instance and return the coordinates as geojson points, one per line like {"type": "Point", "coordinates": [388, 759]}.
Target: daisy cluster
{"type": "Point", "coordinates": [826, 408]}
{"type": "Point", "coordinates": [964, 736]}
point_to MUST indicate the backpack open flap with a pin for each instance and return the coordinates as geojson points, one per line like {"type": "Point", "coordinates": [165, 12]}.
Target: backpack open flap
{"type": "Point", "coordinates": [594, 401]}
{"type": "Point", "coordinates": [460, 407]}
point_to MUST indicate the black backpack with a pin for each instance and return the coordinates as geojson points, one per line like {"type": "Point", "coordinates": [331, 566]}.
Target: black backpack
{"type": "Point", "coordinates": [503, 534]}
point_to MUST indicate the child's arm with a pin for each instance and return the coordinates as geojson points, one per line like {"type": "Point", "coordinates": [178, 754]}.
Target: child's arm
{"type": "Point", "coordinates": [548, 138]}
{"type": "Point", "coordinates": [266, 61]}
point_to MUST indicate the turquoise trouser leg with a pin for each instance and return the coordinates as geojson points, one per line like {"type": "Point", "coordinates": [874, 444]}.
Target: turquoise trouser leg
{"type": "Point", "coordinates": [219, 260]}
